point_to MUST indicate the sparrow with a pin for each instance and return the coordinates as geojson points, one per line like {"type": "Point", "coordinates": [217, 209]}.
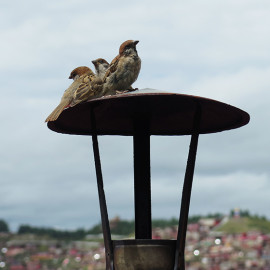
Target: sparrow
{"type": "Point", "coordinates": [77, 72]}
{"type": "Point", "coordinates": [124, 69]}
{"type": "Point", "coordinates": [84, 86]}
{"type": "Point", "coordinates": [101, 66]}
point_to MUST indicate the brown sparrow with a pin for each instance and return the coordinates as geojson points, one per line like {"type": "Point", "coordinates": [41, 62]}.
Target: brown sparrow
{"type": "Point", "coordinates": [83, 87]}
{"type": "Point", "coordinates": [77, 72]}
{"type": "Point", "coordinates": [124, 69]}
{"type": "Point", "coordinates": [101, 66]}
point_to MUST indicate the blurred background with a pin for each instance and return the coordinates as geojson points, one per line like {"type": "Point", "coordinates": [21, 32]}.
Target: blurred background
{"type": "Point", "coordinates": [210, 48]}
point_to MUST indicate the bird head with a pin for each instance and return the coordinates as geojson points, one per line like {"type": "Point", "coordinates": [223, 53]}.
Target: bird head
{"type": "Point", "coordinates": [100, 65]}
{"type": "Point", "coordinates": [79, 71]}
{"type": "Point", "coordinates": [128, 47]}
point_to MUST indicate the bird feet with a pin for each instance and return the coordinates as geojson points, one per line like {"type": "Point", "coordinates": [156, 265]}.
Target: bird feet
{"type": "Point", "coordinates": [130, 89]}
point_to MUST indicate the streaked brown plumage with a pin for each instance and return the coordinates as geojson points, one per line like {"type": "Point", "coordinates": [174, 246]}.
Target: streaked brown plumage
{"type": "Point", "coordinates": [120, 75]}
{"type": "Point", "coordinates": [123, 70]}
{"type": "Point", "coordinates": [77, 72]}
{"type": "Point", "coordinates": [83, 87]}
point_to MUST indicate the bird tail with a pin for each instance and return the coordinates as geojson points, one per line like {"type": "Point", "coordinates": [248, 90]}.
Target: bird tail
{"type": "Point", "coordinates": [56, 112]}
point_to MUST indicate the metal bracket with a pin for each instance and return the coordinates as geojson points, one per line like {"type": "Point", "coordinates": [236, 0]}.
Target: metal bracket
{"type": "Point", "coordinates": [186, 193]}
{"type": "Point", "coordinates": [102, 200]}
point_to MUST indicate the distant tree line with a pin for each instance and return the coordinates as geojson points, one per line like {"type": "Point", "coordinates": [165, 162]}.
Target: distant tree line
{"type": "Point", "coordinates": [3, 226]}
{"type": "Point", "coordinates": [246, 213]}
{"type": "Point", "coordinates": [118, 227]}
{"type": "Point", "coordinates": [53, 233]}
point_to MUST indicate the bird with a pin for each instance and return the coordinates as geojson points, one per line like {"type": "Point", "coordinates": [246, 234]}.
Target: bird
{"type": "Point", "coordinates": [77, 72]}
{"type": "Point", "coordinates": [124, 69]}
{"type": "Point", "coordinates": [83, 87]}
{"type": "Point", "coordinates": [122, 72]}
{"type": "Point", "coordinates": [101, 66]}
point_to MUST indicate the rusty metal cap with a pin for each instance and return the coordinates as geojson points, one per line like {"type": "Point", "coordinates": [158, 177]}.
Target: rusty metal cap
{"type": "Point", "coordinates": [167, 114]}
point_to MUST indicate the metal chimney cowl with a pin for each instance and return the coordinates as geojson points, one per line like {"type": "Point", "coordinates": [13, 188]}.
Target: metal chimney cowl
{"type": "Point", "coordinates": [141, 114]}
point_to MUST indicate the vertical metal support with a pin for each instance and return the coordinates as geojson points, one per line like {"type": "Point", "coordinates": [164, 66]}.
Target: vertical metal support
{"type": "Point", "coordinates": [186, 193]}
{"type": "Point", "coordinates": [142, 179]}
{"type": "Point", "coordinates": [102, 199]}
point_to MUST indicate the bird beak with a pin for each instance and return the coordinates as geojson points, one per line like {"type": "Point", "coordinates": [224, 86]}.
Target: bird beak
{"type": "Point", "coordinates": [135, 42]}
{"type": "Point", "coordinates": [94, 63]}
{"type": "Point", "coordinates": [70, 77]}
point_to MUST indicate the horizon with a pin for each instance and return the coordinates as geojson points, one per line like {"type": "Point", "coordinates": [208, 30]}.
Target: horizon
{"type": "Point", "coordinates": [229, 214]}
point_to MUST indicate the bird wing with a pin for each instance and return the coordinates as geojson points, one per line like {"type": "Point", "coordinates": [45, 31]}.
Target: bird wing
{"type": "Point", "coordinates": [112, 67]}
{"type": "Point", "coordinates": [80, 90]}
{"type": "Point", "coordinates": [83, 90]}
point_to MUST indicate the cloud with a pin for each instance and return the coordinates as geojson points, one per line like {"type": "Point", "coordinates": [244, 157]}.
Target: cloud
{"type": "Point", "coordinates": [225, 192]}
{"type": "Point", "coordinates": [214, 49]}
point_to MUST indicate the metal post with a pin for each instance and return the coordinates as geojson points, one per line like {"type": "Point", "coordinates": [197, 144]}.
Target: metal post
{"type": "Point", "coordinates": [186, 193]}
{"type": "Point", "coordinates": [102, 199]}
{"type": "Point", "coordinates": [142, 179]}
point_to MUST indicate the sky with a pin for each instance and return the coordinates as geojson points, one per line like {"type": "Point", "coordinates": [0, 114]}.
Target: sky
{"type": "Point", "coordinates": [212, 48]}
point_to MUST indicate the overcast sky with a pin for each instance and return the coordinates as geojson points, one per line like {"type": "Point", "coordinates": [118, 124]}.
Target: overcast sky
{"type": "Point", "coordinates": [212, 48]}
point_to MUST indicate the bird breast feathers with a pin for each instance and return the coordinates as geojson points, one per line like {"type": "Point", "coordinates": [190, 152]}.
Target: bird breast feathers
{"type": "Point", "coordinates": [122, 63]}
